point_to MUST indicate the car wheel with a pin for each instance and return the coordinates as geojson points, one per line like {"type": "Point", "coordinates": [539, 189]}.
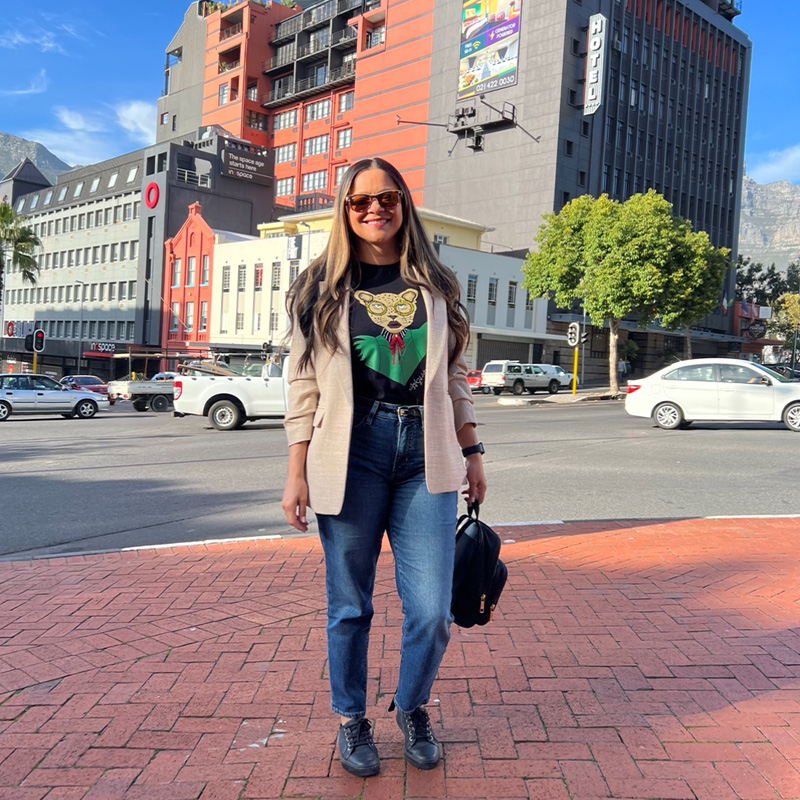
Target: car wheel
{"type": "Point", "coordinates": [518, 387]}
{"type": "Point", "coordinates": [553, 386]}
{"type": "Point", "coordinates": [225, 415]}
{"type": "Point", "coordinates": [159, 402]}
{"type": "Point", "coordinates": [86, 409]}
{"type": "Point", "coordinates": [497, 390]}
{"type": "Point", "coordinates": [531, 390]}
{"type": "Point", "coordinates": [668, 416]}
{"type": "Point", "coordinates": [139, 405]}
{"type": "Point", "coordinates": [791, 417]}
{"type": "Point", "coordinates": [5, 411]}
{"type": "Point", "coordinates": [486, 390]}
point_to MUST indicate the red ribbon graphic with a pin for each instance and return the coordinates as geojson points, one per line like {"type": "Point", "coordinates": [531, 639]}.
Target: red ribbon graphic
{"type": "Point", "coordinates": [395, 344]}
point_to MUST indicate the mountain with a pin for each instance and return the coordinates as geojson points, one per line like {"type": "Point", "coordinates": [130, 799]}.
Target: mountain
{"type": "Point", "coordinates": [13, 150]}
{"type": "Point", "coordinates": [769, 225]}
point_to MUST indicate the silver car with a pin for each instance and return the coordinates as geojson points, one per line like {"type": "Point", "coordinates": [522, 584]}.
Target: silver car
{"type": "Point", "coordinates": [24, 393]}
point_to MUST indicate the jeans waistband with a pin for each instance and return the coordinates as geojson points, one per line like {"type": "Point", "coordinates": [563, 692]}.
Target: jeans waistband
{"type": "Point", "coordinates": [379, 407]}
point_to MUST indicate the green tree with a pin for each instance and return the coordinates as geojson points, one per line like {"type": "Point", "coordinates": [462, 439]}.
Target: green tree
{"type": "Point", "coordinates": [17, 245]}
{"type": "Point", "coordinates": [785, 319]}
{"type": "Point", "coordinates": [758, 284]}
{"type": "Point", "coordinates": [622, 260]}
{"type": "Point", "coordinates": [693, 284]}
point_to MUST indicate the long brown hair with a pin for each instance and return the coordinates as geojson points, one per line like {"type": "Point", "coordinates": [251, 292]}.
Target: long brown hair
{"type": "Point", "coordinates": [317, 312]}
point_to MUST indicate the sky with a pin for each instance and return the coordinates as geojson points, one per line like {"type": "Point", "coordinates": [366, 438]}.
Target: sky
{"type": "Point", "coordinates": [83, 78]}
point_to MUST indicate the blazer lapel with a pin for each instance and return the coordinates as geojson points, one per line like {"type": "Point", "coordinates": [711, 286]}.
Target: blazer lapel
{"type": "Point", "coordinates": [437, 334]}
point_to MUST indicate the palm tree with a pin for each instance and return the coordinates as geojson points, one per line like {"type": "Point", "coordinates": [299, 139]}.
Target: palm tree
{"type": "Point", "coordinates": [17, 243]}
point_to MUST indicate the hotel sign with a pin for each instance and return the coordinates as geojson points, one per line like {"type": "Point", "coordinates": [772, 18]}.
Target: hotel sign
{"type": "Point", "coordinates": [595, 60]}
{"type": "Point", "coordinates": [489, 46]}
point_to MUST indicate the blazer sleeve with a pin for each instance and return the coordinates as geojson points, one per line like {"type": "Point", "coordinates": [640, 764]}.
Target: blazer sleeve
{"type": "Point", "coordinates": [460, 393]}
{"type": "Point", "coordinates": [303, 392]}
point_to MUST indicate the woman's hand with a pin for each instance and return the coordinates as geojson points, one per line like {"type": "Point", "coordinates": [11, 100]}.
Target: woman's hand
{"type": "Point", "coordinates": [295, 503]}
{"type": "Point", "coordinates": [476, 480]}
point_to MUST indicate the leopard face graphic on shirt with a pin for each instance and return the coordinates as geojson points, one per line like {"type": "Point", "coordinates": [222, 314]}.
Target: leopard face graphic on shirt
{"type": "Point", "coordinates": [392, 354]}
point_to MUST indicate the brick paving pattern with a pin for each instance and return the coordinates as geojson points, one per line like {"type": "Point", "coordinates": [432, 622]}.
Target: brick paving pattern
{"type": "Point", "coordinates": [628, 659]}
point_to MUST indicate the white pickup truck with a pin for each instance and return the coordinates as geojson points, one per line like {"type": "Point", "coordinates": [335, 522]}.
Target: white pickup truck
{"type": "Point", "coordinates": [231, 400]}
{"type": "Point", "coordinates": [155, 394]}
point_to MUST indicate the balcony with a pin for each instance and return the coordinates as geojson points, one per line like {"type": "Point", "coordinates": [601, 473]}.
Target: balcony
{"type": "Point", "coordinates": [227, 66]}
{"type": "Point", "coordinates": [349, 5]}
{"type": "Point", "coordinates": [730, 8]}
{"type": "Point", "coordinates": [312, 47]}
{"type": "Point", "coordinates": [344, 38]}
{"type": "Point", "coordinates": [319, 14]}
{"type": "Point", "coordinates": [307, 86]}
{"type": "Point", "coordinates": [194, 178]}
{"type": "Point", "coordinates": [226, 33]}
{"type": "Point", "coordinates": [312, 201]}
{"type": "Point", "coordinates": [281, 61]}
{"type": "Point", "coordinates": [288, 27]}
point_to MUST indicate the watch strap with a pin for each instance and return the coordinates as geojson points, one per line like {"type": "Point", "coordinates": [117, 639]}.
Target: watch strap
{"type": "Point", "coordinates": [472, 449]}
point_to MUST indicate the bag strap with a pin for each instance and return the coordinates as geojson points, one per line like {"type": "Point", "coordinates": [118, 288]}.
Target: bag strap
{"type": "Point", "coordinates": [475, 507]}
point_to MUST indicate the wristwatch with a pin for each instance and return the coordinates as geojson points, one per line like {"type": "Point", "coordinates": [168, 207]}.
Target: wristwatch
{"type": "Point", "coordinates": [472, 449]}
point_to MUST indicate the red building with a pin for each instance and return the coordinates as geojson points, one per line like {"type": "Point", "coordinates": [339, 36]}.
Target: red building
{"type": "Point", "coordinates": [186, 293]}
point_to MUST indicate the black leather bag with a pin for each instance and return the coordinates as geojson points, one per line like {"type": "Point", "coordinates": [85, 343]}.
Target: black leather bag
{"type": "Point", "coordinates": [478, 576]}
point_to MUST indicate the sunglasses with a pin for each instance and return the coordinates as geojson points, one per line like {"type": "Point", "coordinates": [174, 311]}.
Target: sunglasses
{"type": "Point", "coordinates": [361, 202]}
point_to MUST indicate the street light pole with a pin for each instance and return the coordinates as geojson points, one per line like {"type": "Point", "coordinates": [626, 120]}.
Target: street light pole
{"type": "Point", "coordinates": [80, 331]}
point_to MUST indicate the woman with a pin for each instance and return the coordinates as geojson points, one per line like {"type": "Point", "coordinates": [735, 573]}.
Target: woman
{"type": "Point", "coordinates": [380, 424]}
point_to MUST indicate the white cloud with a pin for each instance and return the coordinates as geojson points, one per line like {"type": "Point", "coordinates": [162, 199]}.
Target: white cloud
{"type": "Point", "coordinates": [75, 121]}
{"type": "Point", "coordinates": [138, 118]}
{"type": "Point", "coordinates": [37, 85]}
{"type": "Point", "coordinates": [38, 38]}
{"type": "Point", "coordinates": [75, 148]}
{"type": "Point", "coordinates": [775, 165]}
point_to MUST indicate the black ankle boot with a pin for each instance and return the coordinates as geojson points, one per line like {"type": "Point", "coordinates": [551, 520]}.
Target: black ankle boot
{"type": "Point", "coordinates": [421, 748]}
{"type": "Point", "coordinates": [356, 748]}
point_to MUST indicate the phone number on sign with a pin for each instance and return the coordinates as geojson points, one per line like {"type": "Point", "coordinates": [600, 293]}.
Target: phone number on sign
{"type": "Point", "coordinates": [493, 83]}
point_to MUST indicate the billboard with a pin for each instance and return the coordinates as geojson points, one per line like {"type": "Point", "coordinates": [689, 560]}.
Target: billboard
{"type": "Point", "coordinates": [595, 64]}
{"type": "Point", "coordinates": [246, 163]}
{"type": "Point", "coordinates": [489, 46]}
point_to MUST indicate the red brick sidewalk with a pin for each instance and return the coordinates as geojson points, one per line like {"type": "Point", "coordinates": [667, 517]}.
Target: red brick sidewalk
{"type": "Point", "coordinates": [628, 660]}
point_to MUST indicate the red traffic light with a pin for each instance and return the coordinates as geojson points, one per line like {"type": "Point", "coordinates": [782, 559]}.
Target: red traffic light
{"type": "Point", "coordinates": [38, 340]}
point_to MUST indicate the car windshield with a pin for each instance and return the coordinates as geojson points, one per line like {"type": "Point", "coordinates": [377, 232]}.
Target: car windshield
{"type": "Point", "coordinates": [493, 368]}
{"type": "Point", "coordinates": [87, 380]}
{"type": "Point", "coordinates": [772, 374]}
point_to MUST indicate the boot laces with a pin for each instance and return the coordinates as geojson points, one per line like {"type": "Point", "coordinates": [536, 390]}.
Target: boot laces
{"type": "Point", "coordinates": [358, 733]}
{"type": "Point", "coordinates": [418, 725]}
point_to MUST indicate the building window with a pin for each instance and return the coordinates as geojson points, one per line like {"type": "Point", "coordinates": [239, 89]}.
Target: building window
{"type": "Point", "coordinates": [569, 147]}
{"type": "Point", "coordinates": [252, 91]}
{"type": "Point", "coordinates": [254, 120]}
{"type": "Point", "coordinates": [132, 290]}
{"type": "Point", "coordinates": [223, 94]}
{"type": "Point", "coordinates": [472, 288]}
{"type": "Point", "coordinates": [176, 317]}
{"type": "Point", "coordinates": [318, 110]}
{"type": "Point", "coordinates": [315, 181]}
{"type": "Point", "coordinates": [316, 145]}
{"type": "Point", "coordinates": [375, 37]}
{"type": "Point", "coordinates": [204, 277]}
{"type": "Point", "coordinates": [203, 315]}
{"type": "Point", "coordinates": [112, 181]}
{"type": "Point", "coordinates": [512, 294]}
{"type": "Point", "coordinates": [492, 291]}
{"type": "Point", "coordinates": [165, 118]}
{"type": "Point", "coordinates": [226, 279]}
{"type": "Point", "coordinates": [240, 321]}
{"type": "Point", "coordinates": [346, 102]}
{"type": "Point", "coordinates": [273, 322]}
{"type": "Point", "coordinates": [190, 271]}
{"type": "Point", "coordinates": [287, 152]}
{"type": "Point", "coordinates": [440, 238]}
{"type": "Point", "coordinates": [176, 272]}
{"type": "Point", "coordinates": [276, 275]}
{"type": "Point", "coordinates": [241, 281]}
{"type": "Point", "coordinates": [294, 271]}
{"type": "Point", "coordinates": [259, 277]}
{"type": "Point", "coordinates": [344, 138]}
{"type": "Point", "coordinates": [284, 187]}
{"type": "Point", "coordinates": [338, 174]}
{"type": "Point", "coordinates": [189, 316]}
{"type": "Point", "coordinates": [581, 178]}
{"type": "Point", "coordinates": [287, 119]}
{"type": "Point", "coordinates": [528, 302]}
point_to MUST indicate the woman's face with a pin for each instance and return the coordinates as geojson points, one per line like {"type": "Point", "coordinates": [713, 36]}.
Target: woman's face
{"type": "Point", "coordinates": [376, 227]}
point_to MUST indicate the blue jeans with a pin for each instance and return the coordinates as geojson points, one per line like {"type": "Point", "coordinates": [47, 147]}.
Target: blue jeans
{"type": "Point", "coordinates": [386, 491]}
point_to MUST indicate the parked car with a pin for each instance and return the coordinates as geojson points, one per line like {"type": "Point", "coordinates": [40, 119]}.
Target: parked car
{"type": "Point", "coordinates": [164, 376]}
{"type": "Point", "coordinates": [26, 393]}
{"type": "Point", "coordinates": [474, 380]}
{"type": "Point", "coordinates": [88, 383]}
{"type": "Point", "coordinates": [564, 378]}
{"type": "Point", "coordinates": [786, 370]}
{"type": "Point", "coordinates": [517, 378]}
{"type": "Point", "coordinates": [714, 390]}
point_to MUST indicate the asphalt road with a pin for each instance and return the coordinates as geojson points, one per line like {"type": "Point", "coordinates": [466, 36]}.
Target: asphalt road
{"type": "Point", "coordinates": [127, 479]}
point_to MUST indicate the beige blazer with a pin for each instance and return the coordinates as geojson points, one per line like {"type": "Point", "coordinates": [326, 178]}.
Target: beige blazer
{"type": "Point", "coordinates": [320, 411]}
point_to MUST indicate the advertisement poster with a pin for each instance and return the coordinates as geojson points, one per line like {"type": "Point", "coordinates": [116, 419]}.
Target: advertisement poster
{"type": "Point", "coordinates": [489, 46]}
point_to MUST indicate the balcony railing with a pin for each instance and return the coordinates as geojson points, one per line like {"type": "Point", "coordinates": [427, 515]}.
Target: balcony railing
{"type": "Point", "coordinates": [289, 27]}
{"type": "Point", "coordinates": [282, 60]}
{"type": "Point", "coordinates": [226, 66]}
{"type": "Point", "coordinates": [308, 85]}
{"type": "Point", "coordinates": [320, 13]}
{"type": "Point", "coordinates": [348, 5]}
{"type": "Point", "coordinates": [344, 37]}
{"type": "Point", "coordinates": [226, 33]}
{"type": "Point", "coordinates": [311, 48]}
{"type": "Point", "coordinates": [195, 178]}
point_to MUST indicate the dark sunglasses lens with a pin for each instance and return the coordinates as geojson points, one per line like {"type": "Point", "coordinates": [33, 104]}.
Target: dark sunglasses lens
{"type": "Point", "coordinates": [389, 199]}
{"type": "Point", "coordinates": [359, 202]}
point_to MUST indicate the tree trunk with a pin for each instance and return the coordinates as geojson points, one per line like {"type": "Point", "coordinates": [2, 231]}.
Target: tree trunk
{"type": "Point", "coordinates": [613, 359]}
{"type": "Point", "coordinates": [688, 348]}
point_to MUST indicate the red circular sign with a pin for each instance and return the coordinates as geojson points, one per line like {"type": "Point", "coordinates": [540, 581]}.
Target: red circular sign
{"type": "Point", "coordinates": [9, 329]}
{"type": "Point", "coordinates": [151, 195]}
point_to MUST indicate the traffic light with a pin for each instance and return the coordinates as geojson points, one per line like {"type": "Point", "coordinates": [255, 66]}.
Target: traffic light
{"type": "Point", "coordinates": [573, 334]}
{"type": "Point", "coordinates": [584, 337]}
{"type": "Point", "coordinates": [38, 340]}
{"type": "Point", "coordinates": [29, 342]}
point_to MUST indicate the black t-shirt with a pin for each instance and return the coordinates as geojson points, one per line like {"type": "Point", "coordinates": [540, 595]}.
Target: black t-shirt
{"type": "Point", "coordinates": [388, 336]}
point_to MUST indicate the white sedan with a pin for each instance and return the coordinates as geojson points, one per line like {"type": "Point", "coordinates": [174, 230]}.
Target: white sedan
{"type": "Point", "coordinates": [714, 390]}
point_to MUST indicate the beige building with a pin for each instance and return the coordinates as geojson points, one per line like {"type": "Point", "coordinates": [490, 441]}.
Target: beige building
{"type": "Point", "coordinates": [252, 275]}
